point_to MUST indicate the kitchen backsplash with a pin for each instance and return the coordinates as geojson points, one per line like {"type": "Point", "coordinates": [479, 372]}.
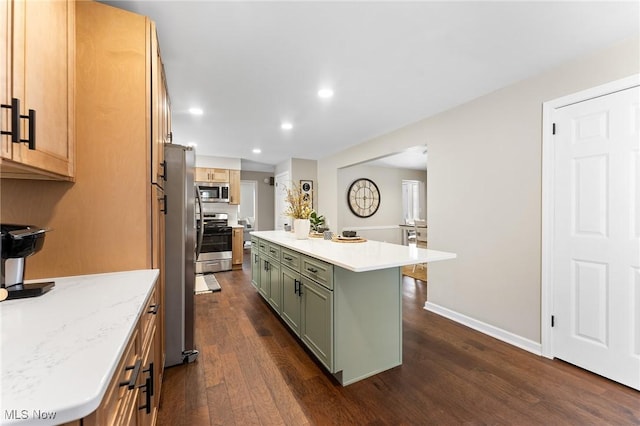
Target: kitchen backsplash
{"type": "Point", "coordinates": [229, 209]}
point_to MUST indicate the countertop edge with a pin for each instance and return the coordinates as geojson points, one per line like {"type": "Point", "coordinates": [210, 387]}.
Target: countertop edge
{"type": "Point", "coordinates": [433, 255]}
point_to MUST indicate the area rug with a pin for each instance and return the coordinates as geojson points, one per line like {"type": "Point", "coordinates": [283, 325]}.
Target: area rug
{"type": "Point", "coordinates": [206, 283]}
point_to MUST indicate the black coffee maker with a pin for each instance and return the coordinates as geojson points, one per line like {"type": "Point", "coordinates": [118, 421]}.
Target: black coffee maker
{"type": "Point", "coordinates": [18, 243]}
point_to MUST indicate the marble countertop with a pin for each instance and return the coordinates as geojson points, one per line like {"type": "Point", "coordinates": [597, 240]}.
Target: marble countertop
{"type": "Point", "coordinates": [60, 350]}
{"type": "Point", "coordinates": [357, 257]}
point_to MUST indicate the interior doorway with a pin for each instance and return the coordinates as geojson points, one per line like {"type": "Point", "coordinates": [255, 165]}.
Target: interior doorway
{"type": "Point", "coordinates": [282, 182]}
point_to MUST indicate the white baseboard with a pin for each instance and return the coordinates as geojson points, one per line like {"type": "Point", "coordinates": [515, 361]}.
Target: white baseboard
{"type": "Point", "coordinates": [498, 333]}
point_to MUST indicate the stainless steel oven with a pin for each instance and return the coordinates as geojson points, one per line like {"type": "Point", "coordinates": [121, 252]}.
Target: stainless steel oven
{"type": "Point", "coordinates": [214, 243]}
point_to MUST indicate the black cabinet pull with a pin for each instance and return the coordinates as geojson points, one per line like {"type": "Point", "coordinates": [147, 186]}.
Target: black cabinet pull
{"type": "Point", "coordinates": [266, 265]}
{"type": "Point", "coordinates": [296, 283]}
{"type": "Point", "coordinates": [312, 270]}
{"type": "Point", "coordinates": [164, 171]}
{"type": "Point", "coordinates": [131, 383]}
{"type": "Point", "coordinates": [31, 117]}
{"type": "Point", "coordinates": [150, 371]}
{"type": "Point", "coordinates": [288, 258]}
{"type": "Point", "coordinates": [164, 204]}
{"type": "Point", "coordinates": [147, 399]}
{"type": "Point", "coordinates": [15, 120]}
{"type": "Point", "coordinates": [153, 309]}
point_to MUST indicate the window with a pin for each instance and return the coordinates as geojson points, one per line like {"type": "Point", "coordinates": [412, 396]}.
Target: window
{"type": "Point", "coordinates": [411, 200]}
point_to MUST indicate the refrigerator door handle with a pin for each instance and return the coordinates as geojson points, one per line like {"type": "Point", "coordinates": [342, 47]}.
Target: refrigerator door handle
{"type": "Point", "coordinates": [201, 230]}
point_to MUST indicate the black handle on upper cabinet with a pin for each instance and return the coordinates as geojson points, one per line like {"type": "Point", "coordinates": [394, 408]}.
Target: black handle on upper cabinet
{"type": "Point", "coordinates": [153, 309]}
{"type": "Point", "coordinates": [164, 171]}
{"type": "Point", "coordinates": [32, 129]}
{"type": "Point", "coordinates": [15, 120]}
{"type": "Point", "coordinates": [131, 383]}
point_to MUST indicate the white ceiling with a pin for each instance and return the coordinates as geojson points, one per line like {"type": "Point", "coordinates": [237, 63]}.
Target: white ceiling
{"type": "Point", "coordinates": [252, 65]}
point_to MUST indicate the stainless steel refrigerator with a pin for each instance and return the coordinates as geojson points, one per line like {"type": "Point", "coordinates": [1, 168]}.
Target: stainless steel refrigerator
{"type": "Point", "coordinates": [180, 243]}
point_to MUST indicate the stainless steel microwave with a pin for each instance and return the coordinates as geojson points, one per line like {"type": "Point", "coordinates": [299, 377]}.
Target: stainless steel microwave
{"type": "Point", "coordinates": [213, 192]}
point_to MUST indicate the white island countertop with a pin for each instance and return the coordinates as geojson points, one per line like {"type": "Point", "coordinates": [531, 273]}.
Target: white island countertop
{"type": "Point", "coordinates": [356, 257]}
{"type": "Point", "coordinates": [60, 350]}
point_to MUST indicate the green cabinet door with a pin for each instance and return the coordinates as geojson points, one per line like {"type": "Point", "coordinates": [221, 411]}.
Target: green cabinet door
{"type": "Point", "coordinates": [255, 267]}
{"type": "Point", "coordinates": [264, 285]}
{"type": "Point", "coordinates": [275, 286]}
{"type": "Point", "coordinates": [316, 325]}
{"type": "Point", "coordinates": [290, 281]}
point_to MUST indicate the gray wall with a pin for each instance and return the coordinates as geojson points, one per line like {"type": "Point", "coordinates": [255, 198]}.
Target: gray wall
{"type": "Point", "coordinates": [484, 189]}
{"type": "Point", "coordinates": [265, 198]}
{"type": "Point", "coordinates": [389, 214]}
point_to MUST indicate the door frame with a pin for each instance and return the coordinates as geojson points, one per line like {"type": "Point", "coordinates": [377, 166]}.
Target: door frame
{"type": "Point", "coordinates": [548, 182]}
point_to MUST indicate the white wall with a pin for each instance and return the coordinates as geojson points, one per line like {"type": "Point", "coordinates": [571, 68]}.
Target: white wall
{"type": "Point", "coordinates": [484, 189]}
{"type": "Point", "coordinates": [218, 162]}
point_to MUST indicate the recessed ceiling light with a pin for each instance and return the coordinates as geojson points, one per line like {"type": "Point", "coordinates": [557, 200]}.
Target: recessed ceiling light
{"type": "Point", "coordinates": [325, 93]}
{"type": "Point", "coordinates": [257, 150]}
{"type": "Point", "coordinates": [286, 126]}
{"type": "Point", "coordinates": [196, 111]}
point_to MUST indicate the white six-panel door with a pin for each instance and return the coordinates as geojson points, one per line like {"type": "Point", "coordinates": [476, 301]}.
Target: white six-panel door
{"type": "Point", "coordinates": [596, 235]}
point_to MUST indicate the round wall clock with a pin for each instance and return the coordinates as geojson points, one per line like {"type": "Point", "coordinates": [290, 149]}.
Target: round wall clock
{"type": "Point", "coordinates": [363, 197]}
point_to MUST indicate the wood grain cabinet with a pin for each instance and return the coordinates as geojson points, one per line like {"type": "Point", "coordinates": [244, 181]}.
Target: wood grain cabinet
{"type": "Point", "coordinates": [37, 85]}
{"type": "Point", "coordinates": [133, 396]}
{"type": "Point", "coordinates": [234, 187]}
{"type": "Point", "coordinates": [237, 248]}
{"type": "Point", "coordinates": [203, 174]}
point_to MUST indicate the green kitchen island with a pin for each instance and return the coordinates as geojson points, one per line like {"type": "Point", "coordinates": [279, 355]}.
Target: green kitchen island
{"type": "Point", "coordinates": [343, 300]}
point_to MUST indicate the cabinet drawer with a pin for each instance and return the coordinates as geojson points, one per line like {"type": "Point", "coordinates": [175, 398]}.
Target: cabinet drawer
{"type": "Point", "coordinates": [148, 317]}
{"type": "Point", "coordinates": [254, 243]}
{"type": "Point", "coordinates": [317, 270]}
{"type": "Point", "coordinates": [116, 405]}
{"type": "Point", "coordinates": [263, 246]}
{"type": "Point", "coordinates": [290, 259]}
{"type": "Point", "coordinates": [274, 251]}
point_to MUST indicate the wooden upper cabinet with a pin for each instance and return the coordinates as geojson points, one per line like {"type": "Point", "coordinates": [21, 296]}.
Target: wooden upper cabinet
{"type": "Point", "coordinates": [234, 186]}
{"type": "Point", "coordinates": [160, 130]}
{"type": "Point", "coordinates": [38, 70]}
{"type": "Point", "coordinates": [212, 175]}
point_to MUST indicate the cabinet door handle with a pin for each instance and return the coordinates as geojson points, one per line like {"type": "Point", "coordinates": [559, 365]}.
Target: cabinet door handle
{"type": "Point", "coordinates": [287, 258]}
{"type": "Point", "coordinates": [164, 171]}
{"type": "Point", "coordinates": [312, 270]}
{"type": "Point", "coordinates": [15, 120]}
{"type": "Point", "coordinates": [153, 309]}
{"type": "Point", "coordinates": [147, 398]}
{"type": "Point", "coordinates": [150, 371]}
{"type": "Point", "coordinates": [164, 204]}
{"type": "Point", "coordinates": [131, 383]}
{"type": "Point", "coordinates": [31, 117]}
{"type": "Point", "coordinates": [296, 285]}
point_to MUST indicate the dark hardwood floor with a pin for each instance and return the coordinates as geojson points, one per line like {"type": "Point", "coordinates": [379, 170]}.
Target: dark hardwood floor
{"type": "Point", "coordinates": [252, 370]}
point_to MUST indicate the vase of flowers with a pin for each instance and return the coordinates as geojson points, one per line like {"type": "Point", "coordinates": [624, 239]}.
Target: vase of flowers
{"type": "Point", "coordinates": [299, 209]}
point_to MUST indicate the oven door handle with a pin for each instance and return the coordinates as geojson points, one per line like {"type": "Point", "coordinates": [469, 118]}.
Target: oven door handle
{"type": "Point", "coordinates": [201, 230]}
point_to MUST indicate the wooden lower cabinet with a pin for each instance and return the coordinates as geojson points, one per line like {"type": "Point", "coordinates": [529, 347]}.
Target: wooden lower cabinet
{"type": "Point", "coordinates": [133, 395]}
{"type": "Point", "coordinates": [237, 248]}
